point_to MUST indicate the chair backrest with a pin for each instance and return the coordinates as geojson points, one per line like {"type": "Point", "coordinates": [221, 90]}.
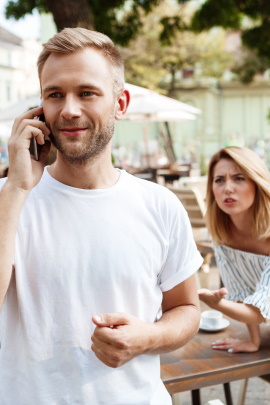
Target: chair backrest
{"type": "Point", "coordinates": [197, 182]}
{"type": "Point", "coordinates": [193, 203]}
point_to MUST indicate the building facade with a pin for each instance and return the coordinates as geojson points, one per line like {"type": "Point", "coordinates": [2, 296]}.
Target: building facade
{"type": "Point", "coordinates": [18, 73]}
{"type": "Point", "coordinates": [232, 114]}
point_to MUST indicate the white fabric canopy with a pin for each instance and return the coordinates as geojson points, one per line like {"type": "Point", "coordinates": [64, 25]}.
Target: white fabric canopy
{"type": "Point", "coordinates": [148, 105]}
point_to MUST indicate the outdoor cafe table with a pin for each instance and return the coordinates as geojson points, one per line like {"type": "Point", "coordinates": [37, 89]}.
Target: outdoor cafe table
{"type": "Point", "coordinates": [197, 365]}
{"type": "Point", "coordinates": [171, 175]}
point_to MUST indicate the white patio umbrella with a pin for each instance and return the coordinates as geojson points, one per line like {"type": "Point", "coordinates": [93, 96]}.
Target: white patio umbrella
{"type": "Point", "coordinates": [5, 130]}
{"type": "Point", "coordinates": [10, 113]}
{"type": "Point", "coordinates": [150, 106]}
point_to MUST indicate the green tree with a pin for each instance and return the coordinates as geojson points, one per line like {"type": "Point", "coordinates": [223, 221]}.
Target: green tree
{"type": "Point", "coordinates": [119, 19]}
{"type": "Point", "coordinates": [165, 38]}
{"type": "Point", "coordinates": [233, 14]}
{"type": "Point", "coordinates": [249, 65]}
{"type": "Point", "coordinates": [249, 16]}
{"type": "Point", "coordinates": [166, 60]}
{"type": "Point", "coordinates": [201, 54]}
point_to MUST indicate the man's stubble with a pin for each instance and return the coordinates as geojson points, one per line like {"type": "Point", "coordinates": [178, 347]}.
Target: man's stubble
{"type": "Point", "coordinates": [93, 146]}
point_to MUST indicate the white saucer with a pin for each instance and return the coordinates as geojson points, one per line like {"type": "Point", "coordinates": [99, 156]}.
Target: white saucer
{"type": "Point", "coordinates": [224, 324]}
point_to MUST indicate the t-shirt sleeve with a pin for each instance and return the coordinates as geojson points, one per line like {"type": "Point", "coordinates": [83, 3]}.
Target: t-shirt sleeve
{"type": "Point", "coordinates": [2, 182]}
{"type": "Point", "coordinates": [183, 258]}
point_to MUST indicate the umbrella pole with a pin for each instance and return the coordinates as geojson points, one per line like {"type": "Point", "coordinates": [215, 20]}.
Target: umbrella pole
{"type": "Point", "coordinates": [169, 143]}
{"type": "Point", "coordinates": [146, 144]}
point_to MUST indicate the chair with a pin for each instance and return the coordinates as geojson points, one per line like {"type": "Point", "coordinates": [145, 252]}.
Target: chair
{"type": "Point", "coordinates": [147, 174]}
{"type": "Point", "coordinates": [193, 202]}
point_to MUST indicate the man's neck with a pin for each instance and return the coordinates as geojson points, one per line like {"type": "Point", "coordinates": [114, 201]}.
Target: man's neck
{"type": "Point", "coordinates": [92, 175]}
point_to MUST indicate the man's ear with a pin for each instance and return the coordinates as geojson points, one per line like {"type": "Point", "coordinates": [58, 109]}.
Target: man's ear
{"type": "Point", "coordinates": [122, 104]}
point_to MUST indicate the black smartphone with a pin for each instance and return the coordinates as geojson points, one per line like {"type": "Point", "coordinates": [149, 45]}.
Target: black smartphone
{"type": "Point", "coordinates": [35, 148]}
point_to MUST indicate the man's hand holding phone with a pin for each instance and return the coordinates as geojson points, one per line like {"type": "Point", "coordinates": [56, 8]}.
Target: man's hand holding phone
{"type": "Point", "coordinates": [35, 148]}
{"type": "Point", "coordinates": [24, 171]}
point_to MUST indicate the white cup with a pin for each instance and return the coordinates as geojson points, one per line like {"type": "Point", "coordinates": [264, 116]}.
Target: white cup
{"type": "Point", "coordinates": [212, 319]}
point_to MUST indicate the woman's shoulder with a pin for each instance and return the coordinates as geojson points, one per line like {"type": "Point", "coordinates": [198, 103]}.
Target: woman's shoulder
{"type": "Point", "coordinates": [237, 252]}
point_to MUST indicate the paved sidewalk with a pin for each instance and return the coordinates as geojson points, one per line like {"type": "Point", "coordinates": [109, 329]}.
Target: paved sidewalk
{"type": "Point", "coordinates": [258, 391]}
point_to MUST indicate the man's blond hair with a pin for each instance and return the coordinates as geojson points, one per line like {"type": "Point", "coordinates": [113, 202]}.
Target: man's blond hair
{"type": "Point", "coordinates": [252, 166]}
{"type": "Point", "coordinates": [70, 40]}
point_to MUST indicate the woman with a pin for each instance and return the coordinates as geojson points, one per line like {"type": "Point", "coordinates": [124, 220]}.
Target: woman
{"type": "Point", "coordinates": [238, 219]}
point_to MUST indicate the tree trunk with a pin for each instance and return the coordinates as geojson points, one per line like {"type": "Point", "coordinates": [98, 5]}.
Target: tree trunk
{"type": "Point", "coordinates": [70, 14]}
{"type": "Point", "coordinates": [171, 89]}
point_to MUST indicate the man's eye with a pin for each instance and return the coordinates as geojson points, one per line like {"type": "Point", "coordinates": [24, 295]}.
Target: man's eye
{"type": "Point", "coordinates": [86, 93]}
{"type": "Point", "coordinates": [55, 95]}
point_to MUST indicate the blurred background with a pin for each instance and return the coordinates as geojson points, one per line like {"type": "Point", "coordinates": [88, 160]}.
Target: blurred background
{"type": "Point", "coordinates": [212, 57]}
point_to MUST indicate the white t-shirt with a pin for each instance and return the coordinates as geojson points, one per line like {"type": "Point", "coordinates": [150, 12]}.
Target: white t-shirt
{"type": "Point", "coordinates": [85, 252]}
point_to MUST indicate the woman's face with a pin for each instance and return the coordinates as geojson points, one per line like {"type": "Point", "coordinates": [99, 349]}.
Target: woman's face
{"type": "Point", "coordinates": [234, 192]}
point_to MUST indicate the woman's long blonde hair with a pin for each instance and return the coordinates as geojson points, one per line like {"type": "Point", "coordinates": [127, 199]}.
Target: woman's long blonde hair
{"type": "Point", "coordinates": [252, 166]}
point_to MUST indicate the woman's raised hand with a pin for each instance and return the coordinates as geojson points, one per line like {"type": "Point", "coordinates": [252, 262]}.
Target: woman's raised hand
{"type": "Point", "coordinates": [211, 298]}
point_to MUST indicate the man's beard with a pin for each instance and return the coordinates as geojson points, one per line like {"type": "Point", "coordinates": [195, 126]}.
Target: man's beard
{"type": "Point", "coordinates": [92, 147]}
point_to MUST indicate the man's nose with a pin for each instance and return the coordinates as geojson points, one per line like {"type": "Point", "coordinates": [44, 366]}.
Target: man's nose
{"type": "Point", "coordinates": [71, 108]}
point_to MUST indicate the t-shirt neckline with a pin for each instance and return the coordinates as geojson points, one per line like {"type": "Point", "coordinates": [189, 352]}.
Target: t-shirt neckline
{"type": "Point", "coordinates": [50, 180]}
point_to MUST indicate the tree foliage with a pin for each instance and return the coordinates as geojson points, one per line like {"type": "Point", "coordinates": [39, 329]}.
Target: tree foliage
{"type": "Point", "coordinates": [248, 66]}
{"type": "Point", "coordinates": [250, 17]}
{"type": "Point", "coordinates": [213, 13]}
{"type": "Point", "coordinates": [122, 19]}
{"type": "Point", "coordinates": [233, 14]}
{"type": "Point", "coordinates": [201, 54]}
{"type": "Point", "coordinates": [119, 19]}
{"type": "Point", "coordinates": [167, 39]}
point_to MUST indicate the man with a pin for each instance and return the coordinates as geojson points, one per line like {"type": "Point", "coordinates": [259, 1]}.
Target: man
{"type": "Point", "coordinates": [89, 253]}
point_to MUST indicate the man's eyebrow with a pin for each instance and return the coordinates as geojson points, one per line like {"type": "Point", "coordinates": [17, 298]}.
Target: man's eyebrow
{"type": "Point", "coordinates": [89, 85]}
{"type": "Point", "coordinates": [50, 88]}
{"type": "Point", "coordinates": [80, 86]}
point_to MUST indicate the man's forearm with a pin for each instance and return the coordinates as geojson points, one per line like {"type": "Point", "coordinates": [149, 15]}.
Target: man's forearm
{"type": "Point", "coordinates": [174, 329]}
{"type": "Point", "coordinates": [11, 202]}
{"type": "Point", "coordinates": [119, 337]}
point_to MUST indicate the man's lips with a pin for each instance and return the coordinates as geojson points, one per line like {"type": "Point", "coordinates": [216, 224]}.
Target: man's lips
{"type": "Point", "coordinates": [72, 131]}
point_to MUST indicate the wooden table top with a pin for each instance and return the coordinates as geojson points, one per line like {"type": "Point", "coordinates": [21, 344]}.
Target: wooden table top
{"type": "Point", "coordinates": [197, 365]}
